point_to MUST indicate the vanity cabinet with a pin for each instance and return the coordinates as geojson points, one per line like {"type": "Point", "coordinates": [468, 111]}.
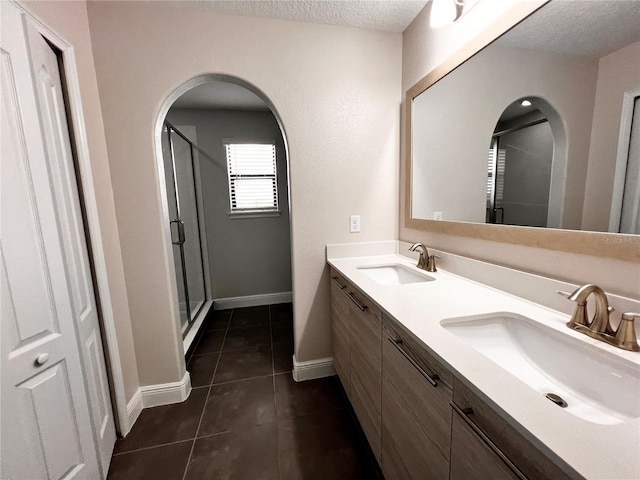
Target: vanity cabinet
{"type": "Point", "coordinates": [421, 420]}
{"type": "Point", "coordinates": [485, 445]}
{"type": "Point", "coordinates": [416, 413]}
{"type": "Point", "coordinates": [356, 336]}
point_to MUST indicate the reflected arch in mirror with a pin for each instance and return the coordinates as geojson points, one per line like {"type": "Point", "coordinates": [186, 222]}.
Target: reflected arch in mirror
{"type": "Point", "coordinates": [526, 166]}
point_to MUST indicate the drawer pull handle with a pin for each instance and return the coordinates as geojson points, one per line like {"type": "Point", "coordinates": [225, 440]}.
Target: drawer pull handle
{"type": "Point", "coordinates": [358, 304]}
{"type": "Point", "coordinates": [341, 286]}
{"type": "Point", "coordinates": [430, 378]}
{"type": "Point", "coordinates": [464, 413]}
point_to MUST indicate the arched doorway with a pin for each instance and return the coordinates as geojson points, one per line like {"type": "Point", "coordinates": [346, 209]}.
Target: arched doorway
{"type": "Point", "coordinates": [223, 169]}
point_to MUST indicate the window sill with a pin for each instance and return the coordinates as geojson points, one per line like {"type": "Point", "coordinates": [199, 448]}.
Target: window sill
{"type": "Point", "coordinates": [254, 214]}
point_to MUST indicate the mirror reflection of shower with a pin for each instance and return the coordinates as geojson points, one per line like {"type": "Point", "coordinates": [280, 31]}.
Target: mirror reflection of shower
{"type": "Point", "coordinates": [519, 167]}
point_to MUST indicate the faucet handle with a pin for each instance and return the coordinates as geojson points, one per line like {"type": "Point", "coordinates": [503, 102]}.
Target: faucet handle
{"type": "Point", "coordinates": [431, 263]}
{"type": "Point", "coordinates": [626, 333]}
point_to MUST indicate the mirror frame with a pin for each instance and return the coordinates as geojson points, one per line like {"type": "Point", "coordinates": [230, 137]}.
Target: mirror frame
{"type": "Point", "coordinates": [599, 244]}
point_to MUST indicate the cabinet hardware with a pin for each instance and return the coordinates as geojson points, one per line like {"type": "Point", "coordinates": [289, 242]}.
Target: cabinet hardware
{"type": "Point", "coordinates": [354, 300]}
{"type": "Point", "coordinates": [464, 413]}
{"type": "Point", "coordinates": [341, 286]}
{"type": "Point", "coordinates": [430, 378]}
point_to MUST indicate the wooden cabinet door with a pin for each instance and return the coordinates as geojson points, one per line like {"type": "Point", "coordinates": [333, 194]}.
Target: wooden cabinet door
{"type": "Point", "coordinates": [340, 330]}
{"type": "Point", "coordinates": [471, 457]}
{"type": "Point", "coordinates": [416, 416]}
{"type": "Point", "coordinates": [524, 457]}
{"type": "Point", "coordinates": [366, 365]}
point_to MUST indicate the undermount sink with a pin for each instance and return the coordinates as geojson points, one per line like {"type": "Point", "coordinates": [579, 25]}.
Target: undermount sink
{"type": "Point", "coordinates": [394, 274]}
{"type": "Point", "coordinates": [591, 384]}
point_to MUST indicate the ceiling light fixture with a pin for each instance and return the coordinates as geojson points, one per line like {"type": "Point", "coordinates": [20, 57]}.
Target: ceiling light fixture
{"type": "Point", "coordinates": [445, 12]}
{"type": "Point", "coordinates": [525, 103]}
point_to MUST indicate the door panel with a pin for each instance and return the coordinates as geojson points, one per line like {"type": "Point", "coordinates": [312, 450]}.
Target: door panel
{"type": "Point", "coordinates": [188, 205]}
{"type": "Point", "coordinates": [55, 419]}
{"type": "Point", "coordinates": [47, 296]}
{"type": "Point", "coordinates": [50, 104]}
{"type": "Point", "coordinates": [180, 166]}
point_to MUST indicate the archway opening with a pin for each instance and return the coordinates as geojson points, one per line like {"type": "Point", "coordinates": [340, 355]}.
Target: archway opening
{"type": "Point", "coordinates": [224, 177]}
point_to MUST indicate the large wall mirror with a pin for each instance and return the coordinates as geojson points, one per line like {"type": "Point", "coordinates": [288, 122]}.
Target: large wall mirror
{"type": "Point", "coordinates": [536, 130]}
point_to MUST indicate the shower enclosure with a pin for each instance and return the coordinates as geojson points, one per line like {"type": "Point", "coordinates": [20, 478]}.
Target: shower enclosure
{"type": "Point", "coordinates": [186, 222]}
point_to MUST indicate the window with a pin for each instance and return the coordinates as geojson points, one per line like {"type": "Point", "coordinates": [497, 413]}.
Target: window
{"type": "Point", "coordinates": [253, 183]}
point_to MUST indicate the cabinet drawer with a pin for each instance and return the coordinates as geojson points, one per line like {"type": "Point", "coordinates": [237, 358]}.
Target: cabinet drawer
{"type": "Point", "coordinates": [368, 413]}
{"type": "Point", "coordinates": [365, 330]}
{"type": "Point", "coordinates": [471, 457]}
{"type": "Point", "coordinates": [529, 459]}
{"type": "Point", "coordinates": [416, 415]}
{"type": "Point", "coordinates": [418, 352]}
{"type": "Point", "coordinates": [366, 354]}
{"type": "Point", "coordinates": [340, 337]}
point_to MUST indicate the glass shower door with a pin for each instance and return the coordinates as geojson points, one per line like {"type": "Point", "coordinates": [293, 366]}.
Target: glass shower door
{"type": "Point", "coordinates": [178, 154]}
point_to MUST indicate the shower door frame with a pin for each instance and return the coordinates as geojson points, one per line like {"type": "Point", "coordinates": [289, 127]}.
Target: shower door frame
{"type": "Point", "coordinates": [197, 316]}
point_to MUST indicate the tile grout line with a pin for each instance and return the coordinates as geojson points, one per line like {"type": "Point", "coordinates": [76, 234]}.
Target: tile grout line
{"type": "Point", "coordinates": [151, 447]}
{"type": "Point", "coordinates": [275, 401]}
{"type": "Point", "coordinates": [204, 407]}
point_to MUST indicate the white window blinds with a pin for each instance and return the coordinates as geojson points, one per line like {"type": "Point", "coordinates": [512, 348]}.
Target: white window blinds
{"type": "Point", "coordinates": [253, 184]}
{"type": "Point", "coordinates": [495, 176]}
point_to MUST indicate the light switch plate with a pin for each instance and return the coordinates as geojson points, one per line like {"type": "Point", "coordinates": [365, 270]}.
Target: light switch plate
{"type": "Point", "coordinates": [354, 224]}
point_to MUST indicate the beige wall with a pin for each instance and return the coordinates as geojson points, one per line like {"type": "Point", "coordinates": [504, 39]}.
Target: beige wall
{"type": "Point", "coordinates": [423, 50]}
{"type": "Point", "coordinates": [337, 92]}
{"type": "Point", "coordinates": [69, 21]}
{"type": "Point", "coordinates": [618, 73]}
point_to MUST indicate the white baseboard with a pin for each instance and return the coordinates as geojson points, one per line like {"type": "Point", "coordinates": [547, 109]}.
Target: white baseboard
{"type": "Point", "coordinates": [252, 300]}
{"type": "Point", "coordinates": [134, 408]}
{"type": "Point", "coordinates": [166, 393]}
{"type": "Point", "coordinates": [322, 367]}
{"type": "Point", "coordinates": [154, 396]}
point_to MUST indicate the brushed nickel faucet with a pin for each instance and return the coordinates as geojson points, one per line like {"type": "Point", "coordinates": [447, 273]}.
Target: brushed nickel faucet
{"type": "Point", "coordinates": [599, 327]}
{"type": "Point", "coordinates": [425, 262]}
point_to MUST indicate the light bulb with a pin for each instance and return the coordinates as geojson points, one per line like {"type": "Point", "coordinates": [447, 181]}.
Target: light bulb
{"type": "Point", "coordinates": [443, 12]}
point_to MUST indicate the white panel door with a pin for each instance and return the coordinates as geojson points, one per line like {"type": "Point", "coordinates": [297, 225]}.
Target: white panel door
{"type": "Point", "coordinates": [48, 427]}
{"type": "Point", "coordinates": [50, 104]}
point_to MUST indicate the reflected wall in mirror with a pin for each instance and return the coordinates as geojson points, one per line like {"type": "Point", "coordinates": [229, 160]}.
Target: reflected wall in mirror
{"type": "Point", "coordinates": [576, 62]}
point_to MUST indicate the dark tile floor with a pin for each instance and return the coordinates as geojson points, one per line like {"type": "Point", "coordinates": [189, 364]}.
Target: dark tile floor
{"type": "Point", "coordinates": [246, 418]}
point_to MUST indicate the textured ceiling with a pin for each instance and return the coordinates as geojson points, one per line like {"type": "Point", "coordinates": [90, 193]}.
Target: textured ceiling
{"type": "Point", "coordinates": [578, 27]}
{"type": "Point", "coordinates": [386, 15]}
{"type": "Point", "coordinates": [220, 95]}
{"type": "Point", "coordinates": [591, 28]}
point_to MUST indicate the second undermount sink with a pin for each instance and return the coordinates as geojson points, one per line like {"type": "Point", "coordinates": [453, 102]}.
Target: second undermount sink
{"type": "Point", "coordinates": [592, 384]}
{"type": "Point", "coordinates": [394, 274]}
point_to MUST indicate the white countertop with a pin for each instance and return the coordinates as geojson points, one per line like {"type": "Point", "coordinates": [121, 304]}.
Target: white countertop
{"type": "Point", "coordinates": [594, 450]}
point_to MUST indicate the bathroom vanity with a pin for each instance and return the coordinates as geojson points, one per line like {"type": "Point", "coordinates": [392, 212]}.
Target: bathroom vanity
{"type": "Point", "coordinates": [449, 377]}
